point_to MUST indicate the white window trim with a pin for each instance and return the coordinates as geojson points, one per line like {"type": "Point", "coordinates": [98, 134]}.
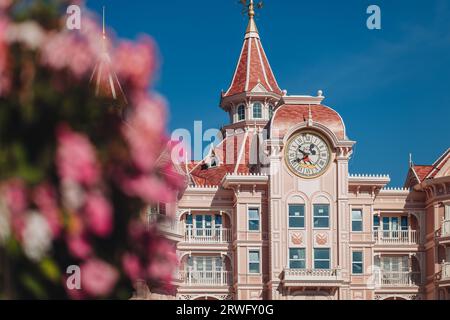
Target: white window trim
{"type": "Point", "coordinates": [248, 262]}
{"type": "Point", "coordinates": [253, 113]}
{"type": "Point", "coordinates": [330, 258]}
{"type": "Point", "coordinates": [329, 216]}
{"type": "Point", "coordinates": [289, 257]}
{"type": "Point", "coordinates": [237, 113]}
{"type": "Point", "coordinates": [248, 220]}
{"type": "Point", "coordinates": [304, 216]}
{"type": "Point", "coordinates": [362, 220]}
{"type": "Point", "coordinates": [362, 261]}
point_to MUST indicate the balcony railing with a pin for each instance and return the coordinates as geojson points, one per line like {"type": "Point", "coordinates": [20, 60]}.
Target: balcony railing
{"type": "Point", "coordinates": [165, 223]}
{"type": "Point", "coordinates": [205, 278]}
{"type": "Point", "coordinates": [396, 237]}
{"type": "Point", "coordinates": [445, 230]}
{"type": "Point", "coordinates": [329, 275]}
{"type": "Point", "coordinates": [398, 279]}
{"type": "Point", "coordinates": [446, 271]}
{"type": "Point", "coordinates": [211, 235]}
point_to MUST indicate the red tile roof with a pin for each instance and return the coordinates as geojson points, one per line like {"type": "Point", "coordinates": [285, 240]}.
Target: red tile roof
{"type": "Point", "coordinates": [422, 171]}
{"type": "Point", "coordinates": [253, 68]}
{"type": "Point", "coordinates": [288, 116]}
{"type": "Point", "coordinates": [228, 153]}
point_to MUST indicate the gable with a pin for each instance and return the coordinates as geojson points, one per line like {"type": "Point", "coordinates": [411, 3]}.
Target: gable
{"type": "Point", "coordinates": [259, 88]}
{"type": "Point", "coordinates": [443, 169]}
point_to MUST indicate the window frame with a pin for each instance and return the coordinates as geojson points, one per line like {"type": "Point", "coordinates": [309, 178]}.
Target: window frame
{"type": "Point", "coordinates": [271, 111]}
{"type": "Point", "coordinates": [357, 220]}
{"type": "Point", "coordinates": [302, 215]}
{"type": "Point", "coordinates": [358, 262]}
{"type": "Point", "coordinates": [238, 112]}
{"type": "Point", "coordinates": [297, 260]}
{"type": "Point", "coordinates": [318, 260]}
{"type": "Point", "coordinates": [260, 111]}
{"type": "Point", "coordinates": [249, 261]}
{"type": "Point", "coordinates": [321, 217]}
{"type": "Point", "coordinates": [258, 209]}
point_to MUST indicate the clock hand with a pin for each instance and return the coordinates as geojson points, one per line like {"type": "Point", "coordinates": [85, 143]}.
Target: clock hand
{"type": "Point", "coordinates": [313, 152]}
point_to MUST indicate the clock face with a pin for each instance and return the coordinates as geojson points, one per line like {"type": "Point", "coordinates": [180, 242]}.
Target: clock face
{"type": "Point", "coordinates": [307, 155]}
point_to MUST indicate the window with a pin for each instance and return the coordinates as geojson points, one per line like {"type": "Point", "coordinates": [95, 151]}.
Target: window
{"type": "Point", "coordinates": [404, 223]}
{"type": "Point", "coordinates": [257, 111]}
{"type": "Point", "coordinates": [241, 112]}
{"type": "Point", "coordinates": [189, 220]}
{"type": "Point", "coordinates": [321, 216]}
{"type": "Point", "coordinates": [253, 261]}
{"type": "Point", "coordinates": [271, 111]}
{"type": "Point", "coordinates": [321, 258]}
{"type": "Point", "coordinates": [253, 219]}
{"type": "Point", "coordinates": [447, 212]}
{"type": "Point", "coordinates": [357, 220]}
{"type": "Point", "coordinates": [376, 222]}
{"type": "Point", "coordinates": [297, 258]}
{"type": "Point", "coordinates": [357, 262]}
{"type": "Point", "coordinates": [218, 221]}
{"type": "Point", "coordinates": [296, 216]}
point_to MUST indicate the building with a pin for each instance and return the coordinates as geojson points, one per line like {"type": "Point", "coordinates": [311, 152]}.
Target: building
{"type": "Point", "coordinates": [273, 212]}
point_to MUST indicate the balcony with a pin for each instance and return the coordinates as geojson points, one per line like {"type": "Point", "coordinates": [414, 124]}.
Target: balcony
{"type": "Point", "coordinates": [165, 224]}
{"type": "Point", "coordinates": [398, 279]}
{"type": "Point", "coordinates": [207, 236]}
{"type": "Point", "coordinates": [445, 229]}
{"type": "Point", "coordinates": [396, 237]}
{"type": "Point", "coordinates": [445, 276]}
{"type": "Point", "coordinates": [205, 278]}
{"type": "Point", "coordinates": [312, 277]}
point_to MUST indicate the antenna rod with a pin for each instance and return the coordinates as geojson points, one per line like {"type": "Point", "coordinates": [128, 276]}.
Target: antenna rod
{"type": "Point", "coordinates": [104, 29]}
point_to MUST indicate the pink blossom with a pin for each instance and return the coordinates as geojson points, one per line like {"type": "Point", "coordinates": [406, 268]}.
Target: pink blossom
{"type": "Point", "coordinates": [131, 266]}
{"type": "Point", "coordinates": [14, 193]}
{"type": "Point", "coordinates": [148, 188]}
{"type": "Point", "coordinates": [135, 63]}
{"type": "Point", "coordinates": [99, 214]}
{"type": "Point", "coordinates": [162, 249]}
{"type": "Point", "coordinates": [79, 247]}
{"type": "Point", "coordinates": [144, 132]}
{"type": "Point", "coordinates": [5, 81]}
{"type": "Point", "coordinates": [4, 4]}
{"type": "Point", "coordinates": [98, 278]}
{"type": "Point", "coordinates": [76, 159]}
{"type": "Point", "coordinates": [69, 50]}
{"type": "Point", "coordinates": [164, 260]}
{"type": "Point", "coordinates": [161, 270]}
{"type": "Point", "coordinates": [45, 199]}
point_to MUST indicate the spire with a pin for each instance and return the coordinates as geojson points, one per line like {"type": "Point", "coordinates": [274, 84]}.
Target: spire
{"type": "Point", "coordinates": [252, 30]}
{"type": "Point", "coordinates": [104, 80]}
{"type": "Point", "coordinates": [253, 68]}
{"type": "Point", "coordinates": [103, 25]}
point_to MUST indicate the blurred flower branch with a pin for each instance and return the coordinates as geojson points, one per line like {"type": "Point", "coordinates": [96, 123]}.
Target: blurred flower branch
{"type": "Point", "coordinates": [78, 164]}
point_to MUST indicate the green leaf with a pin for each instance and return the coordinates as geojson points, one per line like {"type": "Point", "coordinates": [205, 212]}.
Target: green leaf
{"type": "Point", "coordinates": [33, 285]}
{"type": "Point", "coordinates": [50, 269]}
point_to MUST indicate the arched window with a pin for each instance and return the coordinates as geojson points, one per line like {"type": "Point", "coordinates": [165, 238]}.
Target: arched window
{"type": "Point", "coordinates": [271, 111]}
{"type": "Point", "coordinates": [257, 110]}
{"type": "Point", "coordinates": [241, 112]}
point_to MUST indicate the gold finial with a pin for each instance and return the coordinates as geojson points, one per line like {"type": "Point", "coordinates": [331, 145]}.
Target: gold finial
{"type": "Point", "coordinates": [249, 8]}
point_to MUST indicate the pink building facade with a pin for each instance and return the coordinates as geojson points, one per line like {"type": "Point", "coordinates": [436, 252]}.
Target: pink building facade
{"type": "Point", "coordinates": [273, 212]}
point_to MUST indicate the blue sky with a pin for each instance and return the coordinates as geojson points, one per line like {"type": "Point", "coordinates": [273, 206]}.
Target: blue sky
{"type": "Point", "coordinates": [391, 86]}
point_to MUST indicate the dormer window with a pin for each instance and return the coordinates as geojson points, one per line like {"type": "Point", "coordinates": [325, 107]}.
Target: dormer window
{"type": "Point", "coordinates": [241, 112]}
{"type": "Point", "coordinates": [212, 161]}
{"type": "Point", "coordinates": [257, 110]}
